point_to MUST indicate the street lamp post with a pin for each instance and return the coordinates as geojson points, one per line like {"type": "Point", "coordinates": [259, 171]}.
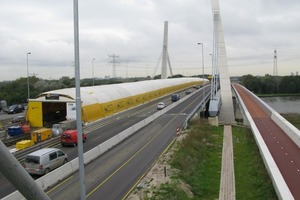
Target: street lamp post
{"type": "Point", "coordinates": [28, 93]}
{"type": "Point", "coordinates": [93, 71]}
{"type": "Point", "coordinates": [202, 61]}
{"type": "Point", "coordinates": [202, 73]}
{"type": "Point", "coordinates": [212, 82]}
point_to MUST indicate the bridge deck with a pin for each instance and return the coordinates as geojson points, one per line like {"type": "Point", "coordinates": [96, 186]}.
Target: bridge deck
{"type": "Point", "coordinates": [283, 150]}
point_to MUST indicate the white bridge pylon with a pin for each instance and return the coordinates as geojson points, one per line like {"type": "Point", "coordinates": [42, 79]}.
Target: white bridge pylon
{"type": "Point", "coordinates": [165, 58]}
{"type": "Point", "coordinates": [226, 114]}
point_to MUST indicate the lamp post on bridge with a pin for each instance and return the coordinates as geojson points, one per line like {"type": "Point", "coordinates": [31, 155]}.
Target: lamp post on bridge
{"type": "Point", "coordinates": [202, 73]}
{"type": "Point", "coordinates": [93, 71]}
{"type": "Point", "coordinates": [28, 92]}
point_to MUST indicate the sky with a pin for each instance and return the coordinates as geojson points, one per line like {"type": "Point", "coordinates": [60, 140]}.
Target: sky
{"type": "Point", "coordinates": [132, 30]}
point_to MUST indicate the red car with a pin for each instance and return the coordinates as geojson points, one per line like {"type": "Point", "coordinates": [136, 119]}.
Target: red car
{"type": "Point", "coordinates": [69, 138]}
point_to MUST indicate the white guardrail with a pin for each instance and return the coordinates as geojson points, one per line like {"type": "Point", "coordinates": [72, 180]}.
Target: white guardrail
{"type": "Point", "coordinates": [71, 167]}
{"type": "Point", "coordinates": [281, 188]}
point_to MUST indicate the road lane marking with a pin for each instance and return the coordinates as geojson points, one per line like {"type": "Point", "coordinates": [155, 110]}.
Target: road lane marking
{"type": "Point", "coordinates": [125, 163]}
{"type": "Point", "coordinates": [143, 147]}
{"type": "Point", "coordinates": [143, 175]}
{"type": "Point", "coordinates": [58, 185]}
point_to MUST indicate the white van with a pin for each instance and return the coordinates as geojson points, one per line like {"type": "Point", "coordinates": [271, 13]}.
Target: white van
{"type": "Point", "coordinates": [44, 160]}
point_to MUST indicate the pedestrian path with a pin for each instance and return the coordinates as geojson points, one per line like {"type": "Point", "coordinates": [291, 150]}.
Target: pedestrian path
{"type": "Point", "coordinates": [227, 184]}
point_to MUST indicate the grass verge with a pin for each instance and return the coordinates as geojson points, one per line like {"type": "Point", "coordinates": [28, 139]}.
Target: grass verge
{"type": "Point", "coordinates": [251, 178]}
{"type": "Point", "coordinates": [198, 162]}
{"type": "Point", "coordinates": [293, 118]}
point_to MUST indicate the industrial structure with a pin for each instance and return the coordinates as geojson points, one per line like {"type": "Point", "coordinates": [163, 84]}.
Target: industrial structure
{"type": "Point", "coordinates": [114, 63]}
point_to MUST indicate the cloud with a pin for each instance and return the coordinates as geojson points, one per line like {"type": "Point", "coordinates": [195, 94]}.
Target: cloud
{"type": "Point", "coordinates": [134, 30]}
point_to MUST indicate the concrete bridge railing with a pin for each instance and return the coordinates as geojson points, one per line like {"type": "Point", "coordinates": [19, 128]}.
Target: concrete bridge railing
{"type": "Point", "coordinates": [281, 188]}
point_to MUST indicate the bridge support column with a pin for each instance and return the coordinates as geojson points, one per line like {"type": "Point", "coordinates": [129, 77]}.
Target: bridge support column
{"type": "Point", "coordinates": [226, 115]}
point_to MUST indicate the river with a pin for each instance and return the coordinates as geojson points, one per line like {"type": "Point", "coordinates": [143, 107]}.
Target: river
{"type": "Point", "coordinates": [284, 105]}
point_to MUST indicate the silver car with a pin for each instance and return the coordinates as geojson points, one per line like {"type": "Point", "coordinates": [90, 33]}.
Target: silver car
{"type": "Point", "coordinates": [44, 160]}
{"type": "Point", "coordinates": [161, 105]}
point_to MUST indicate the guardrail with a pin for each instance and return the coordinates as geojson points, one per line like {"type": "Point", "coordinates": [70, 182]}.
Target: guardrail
{"type": "Point", "coordinates": [196, 108]}
{"type": "Point", "coordinates": [69, 168]}
{"type": "Point", "coordinates": [281, 188]}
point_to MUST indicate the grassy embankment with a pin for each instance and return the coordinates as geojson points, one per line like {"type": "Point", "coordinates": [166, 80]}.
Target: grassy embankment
{"type": "Point", "coordinates": [293, 119]}
{"type": "Point", "coordinates": [198, 160]}
{"type": "Point", "coordinates": [251, 178]}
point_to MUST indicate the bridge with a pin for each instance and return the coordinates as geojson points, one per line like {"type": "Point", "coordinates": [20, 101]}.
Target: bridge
{"type": "Point", "coordinates": [267, 126]}
{"type": "Point", "coordinates": [276, 138]}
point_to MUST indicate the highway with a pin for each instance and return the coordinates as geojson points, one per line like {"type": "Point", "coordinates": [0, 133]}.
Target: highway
{"type": "Point", "coordinates": [115, 173]}
{"type": "Point", "coordinates": [111, 161]}
{"type": "Point", "coordinates": [284, 151]}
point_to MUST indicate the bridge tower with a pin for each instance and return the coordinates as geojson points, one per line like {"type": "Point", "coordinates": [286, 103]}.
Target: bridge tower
{"type": "Point", "coordinates": [165, 54]}
{"type": "Point", "coordinates": [165, 51]}
{"type": "Point", "coordinates": [226, 115]}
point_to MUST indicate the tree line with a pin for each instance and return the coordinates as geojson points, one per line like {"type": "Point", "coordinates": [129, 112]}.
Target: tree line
{"type": "Point", "coordinates": [17, 91]}
{"type": "Point", "coordinates": [271, 84]}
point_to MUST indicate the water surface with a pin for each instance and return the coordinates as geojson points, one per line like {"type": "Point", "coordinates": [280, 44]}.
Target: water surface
{"type": "Point", "coordinates": [284, 104]}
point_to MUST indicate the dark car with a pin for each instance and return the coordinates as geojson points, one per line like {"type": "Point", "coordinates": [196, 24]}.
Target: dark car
{"type": "Point", "coordinates": [188, 92]}
{"type": "Point", "coordinates": [16, 108]}
{"type": "Point", "coordinates": [175, 97]}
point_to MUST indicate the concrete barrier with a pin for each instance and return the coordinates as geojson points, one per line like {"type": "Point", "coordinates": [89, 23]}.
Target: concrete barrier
{"type": "Point", "coordinates": [91, 155]}
{"type": "Point", "coordinates": [288, 128]}
{"type": "Point", "coordinates": [280, 186]}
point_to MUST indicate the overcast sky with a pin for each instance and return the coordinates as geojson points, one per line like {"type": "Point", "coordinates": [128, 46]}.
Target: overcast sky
{"type": "Point", "coordinates": [133, 30]}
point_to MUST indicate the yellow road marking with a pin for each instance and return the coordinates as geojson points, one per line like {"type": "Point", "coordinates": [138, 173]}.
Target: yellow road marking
{"type": "Point", "coordinates": [58, 185]}
{"type": "Point", "coordinates": [134, 155]}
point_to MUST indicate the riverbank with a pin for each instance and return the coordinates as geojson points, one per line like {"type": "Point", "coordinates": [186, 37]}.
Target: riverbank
{"type": "Point", "coordinates": [293, 118]}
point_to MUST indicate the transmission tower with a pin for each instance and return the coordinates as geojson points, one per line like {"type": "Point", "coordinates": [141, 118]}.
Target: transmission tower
{"type": "Point", "coordinates": [114, 63]}
{"type": "Point", "coordinates": [275, 72]}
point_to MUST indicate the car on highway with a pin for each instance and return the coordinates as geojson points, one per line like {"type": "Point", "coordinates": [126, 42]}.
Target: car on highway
{"type": "Point", "coordinates": [161, 105]}
{"type": "Point", "coordinates": [43, 161]}
{"type": "Point", "coordinates": [69, 138]}
{"type": "Point", "coordinates": [175, 97]}
{"type": "Point", "coordinates": [16, 108]}
{"type": "Point", "coordinates": [17, 119]}
{"type": "Point", "coordinates": [196, 87]}
{"type": "Point", "coordinates": [188, 92]}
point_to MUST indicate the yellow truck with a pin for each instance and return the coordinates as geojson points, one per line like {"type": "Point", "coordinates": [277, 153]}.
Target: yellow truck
{"type": "Point", "coordinates": [41, 134]}
{"type": "Point", "coordinates": [24, 144]}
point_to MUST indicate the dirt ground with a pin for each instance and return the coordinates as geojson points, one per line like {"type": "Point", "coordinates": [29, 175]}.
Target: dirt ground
{"type": "Point", "coordinates": [158, 174]}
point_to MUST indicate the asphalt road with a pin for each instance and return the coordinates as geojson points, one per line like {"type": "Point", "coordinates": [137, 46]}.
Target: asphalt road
{"type": "Point", "coordinates": [102, 131]}
{"type": "Point", "coordinates": [116, 172]}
